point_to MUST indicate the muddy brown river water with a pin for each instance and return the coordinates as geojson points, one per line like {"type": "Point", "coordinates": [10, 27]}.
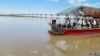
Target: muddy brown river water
{"type": "Point", "coordinates": [21, 36]}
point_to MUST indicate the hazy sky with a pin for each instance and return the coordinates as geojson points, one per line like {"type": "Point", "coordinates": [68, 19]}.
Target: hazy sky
{"type": "Point", "coordinates": [42, 6]}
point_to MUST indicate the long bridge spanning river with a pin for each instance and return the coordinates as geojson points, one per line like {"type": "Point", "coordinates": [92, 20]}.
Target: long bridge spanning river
{"type": "Point", "coordinates": [33, 15]}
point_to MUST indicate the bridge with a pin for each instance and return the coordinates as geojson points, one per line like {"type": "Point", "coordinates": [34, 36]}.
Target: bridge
{"type": "Point", "coordinates": [36, 15]}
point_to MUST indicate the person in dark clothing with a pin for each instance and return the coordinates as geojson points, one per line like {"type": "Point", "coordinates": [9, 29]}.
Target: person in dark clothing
{"type": "Point", "coordinates": [69, 26]}
{"type": "Point", "coordinates": [64, 26]}
{"type": "Point", "coordinates": [59, 25]}
{"type": "Point", "coordinates": [87, 25]}
{"type": "Point", "coordinates": [74, 24]}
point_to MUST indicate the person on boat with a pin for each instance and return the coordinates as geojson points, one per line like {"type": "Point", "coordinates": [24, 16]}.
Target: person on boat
{"type": "Point", "coordinates": [59, 25]}
{"type": "Point", "coordinates": [68, 26]}
{"type": "Point", "coordinates": [79, 26]}
{"type": "Point", "coordinates": [97, 23]}
{"type": "Point", "coordinates": [87, 24]}
{"type": "Point", "coordinates": [90, 25]}
{"type": "Point", "coordinates": [55, 28]}
{"type": "Point", "coordinates": [66, 23]}
{"type": "Point", "coordinates": [74, 24]}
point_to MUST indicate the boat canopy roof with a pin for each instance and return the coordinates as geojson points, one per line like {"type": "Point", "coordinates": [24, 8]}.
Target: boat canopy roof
{"type": "Point", "coordinates": [72, 9]}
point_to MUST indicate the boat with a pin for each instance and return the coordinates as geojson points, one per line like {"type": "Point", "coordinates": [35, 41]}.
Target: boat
{"type": "Point", "coordinates": [76, 32]}
{"type": "Point", "coordinates": [83, 14]}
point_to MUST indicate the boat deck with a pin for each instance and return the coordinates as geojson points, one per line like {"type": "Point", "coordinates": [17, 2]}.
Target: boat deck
{"type": "Point", "coordinates": [78, 31]}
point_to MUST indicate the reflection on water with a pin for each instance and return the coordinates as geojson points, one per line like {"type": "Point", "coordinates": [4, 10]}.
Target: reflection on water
{"type": "Point", "coordinates": [76, 45]}
{"type": "Point", "coordinates": [29, 37]}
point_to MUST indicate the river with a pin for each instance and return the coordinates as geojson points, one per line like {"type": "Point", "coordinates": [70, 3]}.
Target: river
{"type": "Point", "coordinates": [20, 36]}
